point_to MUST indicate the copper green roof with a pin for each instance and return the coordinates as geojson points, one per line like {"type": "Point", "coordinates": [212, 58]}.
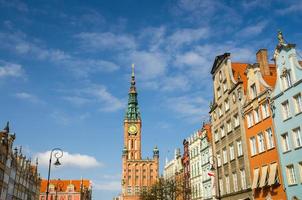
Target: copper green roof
{"type": "Point", "coordinates": [132, 112]}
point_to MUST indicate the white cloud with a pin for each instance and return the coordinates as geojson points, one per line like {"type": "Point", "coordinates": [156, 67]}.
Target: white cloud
{"type": "Point", "coordinates": [253, 30]}
{"type": "Point", "coordinates": [190, 58]}
{"type": "Point", "coordinates": [94, 94]}
{"type": "Point", "coordinates": [188, 36]}
{"type": "Point", "coordinates": [109, 102]}
{"type": "Point", "coordinates": [18, 5]}
{"type": "Point", "coordinates": [10, 70]}
{"type": "Point", "coordinates": [105, 41]}
{"type": "Point", "coordinates": [81, 67]}
{"type": "Point", "coordinates": [149, 65]}
{"type": "Point", "coordinates": [28, 97]}
{"type": "Point", "coordinates": [173, 83]}
{"type": "Point", "coordinates": [191, 107]}
{"type": "Point", "coordinates": [294, 7]}
{"type": "Point", "coordinates": [69, 160]}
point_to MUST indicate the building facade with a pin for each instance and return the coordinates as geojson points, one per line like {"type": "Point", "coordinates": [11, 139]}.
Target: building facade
{"type": "Point", "coordinates": [206, 155]}
{"type": "Point", "coordinates": [186, 174]}
{"type": "Point", "coordinates": [195, 166]}
{"type": "Point", "coordinates": [265, 170]}
{"type": "Point", "coordinates": [19, 178]}
{"type": "Point", "coordinates": [287, 107]}
{"type": "Point", "coordinates": [229, 139]}
{"type": "Point", "coordinates": [174, 171]}
{"type": "Point", "coordinates": [173, 167]}
{"type": "Point", "coordinates": [137, 174]}
{"type": "Point", "coordinates": [66, 190]}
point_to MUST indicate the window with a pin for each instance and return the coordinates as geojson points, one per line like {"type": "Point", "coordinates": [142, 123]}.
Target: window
{"type": "Point", "coordinates": [269, 139]}
{"type": "Point", "coordinates": [136, 189]}
{"type": "Point", "coordinates": [285, 142]}
{"type": "Point", "coordinates": [291, 176]}
{"type": "Point", "coordinates": [216, 136]}
{"type": "Point", "coordinates": [235, 182]}
{"type": "Point", "coordinates": [232, 152]}
{"type": "Point", "coordinates": [218, 92]}
{"type": "Point", "coordinates": [256, 115]}
{"type": "Point", "coordinates": [218, 160]}
{"type": "Point", "coordinates": [226, 105]}
{"type": "Point", "coordinates": [261, 144]}
{"type": "Point", "coordinates": [229, 126]}
{"type": "Point", "coordinates": [129, 190]}
{"type": "Point", "coordinates": [249, 119]}
{"type": "Point", "coordinates": [224, 154]}
{"type": "Point", "coordinates": [222, 132]}
{"type": "Point", "coordinates": [265, 110]}
{"type": "Point", "coordinates": [300, 170]}
{"type": "Point", "coordinates": [298, 103]}
{"type": "Point", "coordinates": [253, 146]}
{"type": "Point", "coordinates": [285, 110]}
{"type": "Point", "coordinates": [287, 81]}
{"type": "Point", "coordinates": [220, 111]}
{"type": "Point", "coordinates": [239, 147]}
{"type": "Point", "coordinates": [243, 181]}
{"type": "Point", "coordinates": [297, 137]}
{"type": "Point", "coordinates": [227, 184]}
{"type": "Point", "coordinates": [221, 186]}
{"type": "Point", "coordinates": [236, 120]}
{"type": "Point", "coordinates": [225, 86]}
{"type": "Point", "coordinates": [253, 91]}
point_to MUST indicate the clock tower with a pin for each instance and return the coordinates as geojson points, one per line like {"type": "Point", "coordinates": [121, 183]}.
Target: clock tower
{"type": "Point", "coordinates": [138, 174]}
{"type": "Point", "coordinates": [132, 123]}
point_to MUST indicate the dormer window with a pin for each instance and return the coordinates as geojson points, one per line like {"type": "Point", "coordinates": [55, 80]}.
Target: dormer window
{"type": "Point", "coordinates": [51, 188]}
{"type": "Point", "coordinates": [253, 91]}
{"type": "Point", "coordinates": [286, 78]}
{"type": "Point", "coordinates": [70, 188]}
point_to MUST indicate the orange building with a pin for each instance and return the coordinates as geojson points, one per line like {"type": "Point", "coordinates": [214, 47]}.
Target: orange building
{"type": "Point", "coordinates": [66, 190]}
{"type": "Point", "coordinates": [262, 152]}
{"type": "Point", "coordinates": [138, 174]}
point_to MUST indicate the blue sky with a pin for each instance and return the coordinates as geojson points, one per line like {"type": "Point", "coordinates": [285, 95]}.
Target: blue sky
{"type": "Point", "coordinates": [65, 70]}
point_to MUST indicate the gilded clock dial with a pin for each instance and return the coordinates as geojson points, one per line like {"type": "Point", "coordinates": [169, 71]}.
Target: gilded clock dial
{"type": "Point", "coordinates": [132, 129]}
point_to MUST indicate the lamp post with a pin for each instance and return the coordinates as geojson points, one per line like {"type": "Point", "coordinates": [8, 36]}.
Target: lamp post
{"type": "Point", "coordinates": [215, 161]}
{"type": "Point", "coordinates": [59, 184]}
{"type": "Point", "coordinates": [58, 153]}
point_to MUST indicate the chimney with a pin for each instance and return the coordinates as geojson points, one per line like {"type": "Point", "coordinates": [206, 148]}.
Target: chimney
{"type": "Point", "coordinates": [262, 59]}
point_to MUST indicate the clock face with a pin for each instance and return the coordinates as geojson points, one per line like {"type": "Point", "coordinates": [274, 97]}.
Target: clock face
{"type": "Point", "coordinates": [132, 129]}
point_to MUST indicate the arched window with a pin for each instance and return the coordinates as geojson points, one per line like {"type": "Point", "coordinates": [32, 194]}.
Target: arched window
{"type": "Point", "coordinates": [70, 188]}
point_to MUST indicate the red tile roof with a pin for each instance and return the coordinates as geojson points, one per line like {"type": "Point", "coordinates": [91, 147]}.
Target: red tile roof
{"type": "Point", "coordinates": [271, 79]}
{"type": "Point", "coordinates": [239, 70]}
{"type": "Point", "coordinates": [62, 184]}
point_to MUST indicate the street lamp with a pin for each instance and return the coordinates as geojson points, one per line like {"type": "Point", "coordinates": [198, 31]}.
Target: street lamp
{"type": "Point", "coordinates": [58, 153]}
{"type": "Point", "coordinates": [215, 161]}
{"type": "Point", "coordinates": [59, 184]}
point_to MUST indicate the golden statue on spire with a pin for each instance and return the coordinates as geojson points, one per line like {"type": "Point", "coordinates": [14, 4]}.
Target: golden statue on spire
{"type": "Point", "coordinates": [281, 38]}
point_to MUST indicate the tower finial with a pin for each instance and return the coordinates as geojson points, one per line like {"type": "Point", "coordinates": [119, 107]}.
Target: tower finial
{"type": "Point", "coordinates": [6, 128]}
{"type": "Point", "coordinates": [132, 70]}
{"type": "Point", "coordinates": [281, 38]}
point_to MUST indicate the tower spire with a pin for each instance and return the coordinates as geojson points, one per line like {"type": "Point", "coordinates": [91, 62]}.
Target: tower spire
{"type": "Point", "coordinates": [132, 112]}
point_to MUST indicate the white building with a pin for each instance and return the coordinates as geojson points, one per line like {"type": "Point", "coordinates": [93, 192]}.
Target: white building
{"type": "Point", "coordinates": [173, 166]}
{"type": "Point", "coordinates": [195, 166]}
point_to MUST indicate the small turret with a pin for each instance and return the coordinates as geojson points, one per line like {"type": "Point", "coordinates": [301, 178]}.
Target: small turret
{"type": "Point", "coordinates": [6, 127]}
{"type": "Point", "coordinates": [155, 152]}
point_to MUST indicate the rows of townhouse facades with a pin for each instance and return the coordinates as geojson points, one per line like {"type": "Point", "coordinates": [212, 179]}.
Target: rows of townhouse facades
{"type": "Point", "coordinates": [252, 146]}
